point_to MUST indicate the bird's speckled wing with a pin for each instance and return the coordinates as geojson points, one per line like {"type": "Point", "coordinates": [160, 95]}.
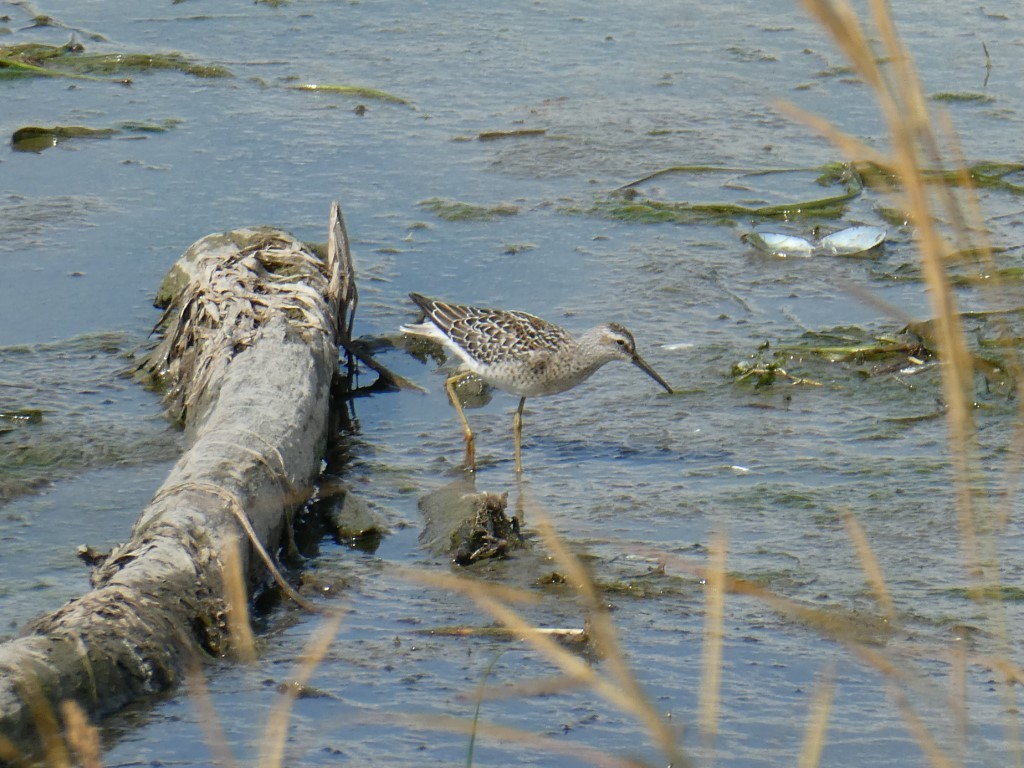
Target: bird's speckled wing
{"type": "Point", "coordinates": [494, 336]}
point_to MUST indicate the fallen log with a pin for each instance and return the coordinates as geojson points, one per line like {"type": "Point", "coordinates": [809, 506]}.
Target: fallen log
{"type": "Point", "coordinates": [249, 349]}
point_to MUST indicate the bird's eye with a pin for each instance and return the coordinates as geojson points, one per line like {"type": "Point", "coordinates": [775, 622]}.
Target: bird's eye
{"type": "Point", "coordinates": [621, 342]}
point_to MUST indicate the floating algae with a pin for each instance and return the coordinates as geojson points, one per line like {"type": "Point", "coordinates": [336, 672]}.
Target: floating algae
{"type": "Point", "coordinates": [352, 90]}
{"type": "Point", "coordinates": [72, 61]}
{"type": "Point", "coordinates": [755, 191]}
{"type": "Point", "coordinates": [455, 210]}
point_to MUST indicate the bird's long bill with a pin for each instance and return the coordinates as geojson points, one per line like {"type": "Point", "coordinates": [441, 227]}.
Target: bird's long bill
{"type": "Point", "coordinates": [640, 363]}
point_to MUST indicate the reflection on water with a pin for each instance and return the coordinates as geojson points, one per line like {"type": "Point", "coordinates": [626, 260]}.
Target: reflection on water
{"type": "Point", "coordinates": [634, 481]}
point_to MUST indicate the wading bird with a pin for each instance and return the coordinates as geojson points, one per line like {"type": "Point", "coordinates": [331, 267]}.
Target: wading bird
{"type": "Point", "coordinates": [521, 354]}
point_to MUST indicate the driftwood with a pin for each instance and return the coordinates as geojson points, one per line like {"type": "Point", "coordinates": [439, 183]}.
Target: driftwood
{"type": "Point", "coordinates": [249, 349]}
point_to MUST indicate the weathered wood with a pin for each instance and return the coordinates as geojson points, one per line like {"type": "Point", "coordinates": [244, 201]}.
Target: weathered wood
{"type": "Point", "coordinates": [249, 353]}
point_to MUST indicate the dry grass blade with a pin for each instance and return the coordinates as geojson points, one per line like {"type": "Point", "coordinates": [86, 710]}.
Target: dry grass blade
{"type": "Point", "coordinates": [845, 628]}
{"type": "Point", "coordinates": [476, 709]}
{"type": "Point", "coordinates": [82, 736]}
{"type": "Point", "coordinates": [902, 104]}
{"type": "Point", "coordinates": [711, 666]}
{"type": "Point", "coordinates": [1015, 450]}
{"type": "Point", "coordinates": [841, 21]}
{"type": "Point", "coordinates": [213, 732]}
{"type": "Point", "coordinates": [817, 723]}
{"type": "Point", "coordinates": [903, 107]}
{"type": "Point", "coordinates": [272, 748]}
{"type": "Point", "coordinates": [53, 747]}
{"type": "Point", "coordinates": [958, 665]}
{"type": "Point", "coordinates": [493, 601]}
{"type": "Point", "coordinates": [849, 145]}
{"type": "Point", "coordinates": [619, 688]}
{"type": "Point", "coordinates": [869, 564]}
{"type": "Point", "coordinates": [577, 672]}
{"type": "Point", "coordinates": [625, 691]}
{"type": "Point", "coordinates": [237, 597]}
{"type": "Point", "coordinates": [10, 754]}
{"type": "Point", "coordinates": [234, 287]}
{"type": "Point", "coordinates": [914, 724]}
{"type": "Point", "coordinates": [237, 510]}
{"type": "Point", "coordinates": [915, 147]}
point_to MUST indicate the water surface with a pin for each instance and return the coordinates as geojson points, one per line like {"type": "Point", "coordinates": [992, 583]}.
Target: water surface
{"type": "Point", "coordinates": [634, 479]}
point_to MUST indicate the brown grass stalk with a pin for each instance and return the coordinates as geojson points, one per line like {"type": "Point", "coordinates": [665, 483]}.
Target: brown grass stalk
{"type": "Point", "coordinates": [490, 600]}
{"type": "Point", "coordinates": [845, 629]}
{"type": "Point", "coordinates": [618, 686]}
{"type": "Point", "coordinates": [869, 564]}
{"type": "Point", "coordinates": [711, 664]}
{"type": "Point", "coordinates": [957, 697]}
{"type": "Point", "coordinates": [53, 748]}
{"type": "Point", "coordinates": [10, 754]}
{"type": "Point", "coordinates": [81, 735]}
{"type": "Point", "coordinates": [209, 721]}
{"type": "Point", "coordinates": [817, 722]}
{"type": "Point", "coordinates": [916, 726]}
{"type": "Point", "coordinates": [271, 754]}
{"type": "Point", "coordinates": [236, 595]}
{"type": "Point", "coordinates": [914, 147]}
{"type": "Point", "coordinates": [631, 697]}
{"type": "Point", "coordinates": [903, 107]}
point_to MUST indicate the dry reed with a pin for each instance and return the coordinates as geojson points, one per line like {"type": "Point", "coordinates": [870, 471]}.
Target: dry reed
{"type": "Point", "coordinates": [817, 723]}
{"type": "Point", "coordinates": [271, 754]}
{"type": "Point", "coordinates": [236, 598]}
{"type": "Point", "coordinates": [916, 150]}
{"type": "Point", "coordinates": [714, 619]}
{"type": "Point", "coordinates": [618, 686]}
{"type": "Point", "coordinates": [81, 735]}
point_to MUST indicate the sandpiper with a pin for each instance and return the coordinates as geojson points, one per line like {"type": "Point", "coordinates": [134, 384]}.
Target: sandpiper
{"type": "Point", "coordinates": [521, 354]}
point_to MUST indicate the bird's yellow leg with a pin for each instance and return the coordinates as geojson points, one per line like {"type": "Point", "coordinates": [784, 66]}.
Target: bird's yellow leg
{"type": "Point", "coordinates": [517, 435]}
{"type": "Point", "coordinates": [466, 431]}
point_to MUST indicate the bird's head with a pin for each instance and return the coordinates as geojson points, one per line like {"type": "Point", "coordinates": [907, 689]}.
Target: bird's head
{"type": "Point", "coordinates": [618, 344]}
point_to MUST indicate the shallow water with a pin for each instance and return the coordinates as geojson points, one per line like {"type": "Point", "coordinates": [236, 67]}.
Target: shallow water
{"type": "Point", "coordinates": [630, 476]}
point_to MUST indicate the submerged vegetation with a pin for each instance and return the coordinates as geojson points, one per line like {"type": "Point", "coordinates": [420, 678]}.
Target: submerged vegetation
{"type": "Point", "coordinates": [73, 61]}
{"type": "Point", "coordinates": [35, 138]}
{"type": "Point", "coordinates": [631, 203]}
{"type": "Point", "coordinates": [813, 359]}
{"type": "Point", "coordinates": [950, 96]}
{"type": "Point", "coordinates": [994, 175]}
{"type": "Point", "coordinates": [456, 210]}
{"type": "Point", "coordinates": [51, 432]}
{"type": "Point", "coordinates": [764, 189]}
{"type": "Point", "coordinates": [352, 90]}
